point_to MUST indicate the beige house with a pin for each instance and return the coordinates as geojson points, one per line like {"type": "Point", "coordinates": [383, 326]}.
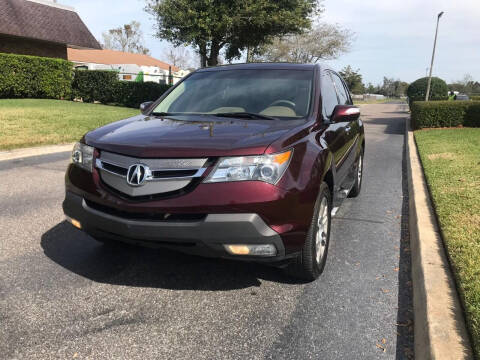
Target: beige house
{"type": "Point", "coordinates": [129, 66]}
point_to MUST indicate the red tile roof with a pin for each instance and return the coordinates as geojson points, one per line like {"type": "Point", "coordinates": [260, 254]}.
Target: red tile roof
{"type": "Point", "coordinates": [34, 20]}
{"type": "Point", "coordinates": [110, 57]}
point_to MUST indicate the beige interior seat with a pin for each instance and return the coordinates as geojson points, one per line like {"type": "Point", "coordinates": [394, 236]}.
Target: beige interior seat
{"type": "Point", "coordinates": [227, 109]}
{"type": "Point", "coordinates": [278, 111]}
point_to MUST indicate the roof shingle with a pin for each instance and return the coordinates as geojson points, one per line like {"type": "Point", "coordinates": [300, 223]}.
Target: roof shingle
{"type": "Point", "coordinates": [34, 20]}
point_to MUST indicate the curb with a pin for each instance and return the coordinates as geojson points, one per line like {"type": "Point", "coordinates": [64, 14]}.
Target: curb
{"type": "Point", "coordinates": [34, 151]}
{"type": "Point", "coordinates": [440, 331]}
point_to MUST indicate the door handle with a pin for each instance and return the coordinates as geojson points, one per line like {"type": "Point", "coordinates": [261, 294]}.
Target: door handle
{"type": "Point", "coordinates": [348, 128]}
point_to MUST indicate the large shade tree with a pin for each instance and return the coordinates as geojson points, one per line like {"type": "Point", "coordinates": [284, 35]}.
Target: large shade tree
{"type": "Point", "coordinates": [232, 25]}
{"type": "Point", "coordinates": [322, 42]}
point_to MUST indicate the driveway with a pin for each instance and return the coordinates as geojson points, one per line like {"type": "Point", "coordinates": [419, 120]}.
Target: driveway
{"type": "Point", "coordinates": [63, 295]}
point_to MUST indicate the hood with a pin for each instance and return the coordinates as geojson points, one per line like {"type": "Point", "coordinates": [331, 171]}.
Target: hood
{"type": "Point", "coordinates": [188, 136]}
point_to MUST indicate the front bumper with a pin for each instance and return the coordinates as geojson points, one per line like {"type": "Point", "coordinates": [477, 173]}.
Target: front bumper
{"type": "Point", "coordinates": [204, 237]}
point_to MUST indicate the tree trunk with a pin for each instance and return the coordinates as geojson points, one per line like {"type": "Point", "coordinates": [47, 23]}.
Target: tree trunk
{"type": "Point", "coordinates": [214, 52]}
{"type": "Point", "coordinates": [203, 60]}
{"type": "Point", "coordinates": [202, 51]}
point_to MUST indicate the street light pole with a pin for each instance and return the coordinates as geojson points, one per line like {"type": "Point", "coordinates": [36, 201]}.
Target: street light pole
{"type": "Point", "coordinates": [433, 56]}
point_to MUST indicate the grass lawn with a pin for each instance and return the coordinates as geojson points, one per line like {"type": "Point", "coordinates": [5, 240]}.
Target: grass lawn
{"type": "Point", "coordinates": [32, 122]}
{"type": "Point", "coordinates": [451, 160]}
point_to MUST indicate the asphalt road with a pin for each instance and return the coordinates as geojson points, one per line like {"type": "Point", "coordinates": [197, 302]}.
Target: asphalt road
{"type": "Point", "coordinates": [63, 295]}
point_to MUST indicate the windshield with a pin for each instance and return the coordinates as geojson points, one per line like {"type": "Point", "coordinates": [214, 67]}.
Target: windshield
{"type": "Point", "coordinates": [270, 93]}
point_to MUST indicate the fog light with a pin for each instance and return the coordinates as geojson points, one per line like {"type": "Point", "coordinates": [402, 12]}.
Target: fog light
{"type": "Point", "coordinates": [252, 250]}
{"type": "Point", "coordinates": [237, 249]}
{"type": "Point", "coordinates": [74, 222]}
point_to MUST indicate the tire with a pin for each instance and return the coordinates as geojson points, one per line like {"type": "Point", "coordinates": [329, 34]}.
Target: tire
{"type": "Point", "coordinates": [358, 177]}
{"type": "Point", "coordinates": [309, 264]}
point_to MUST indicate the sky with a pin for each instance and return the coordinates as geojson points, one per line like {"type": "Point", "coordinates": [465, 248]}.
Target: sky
{"type": "Point", "coordinates": [392, 38]}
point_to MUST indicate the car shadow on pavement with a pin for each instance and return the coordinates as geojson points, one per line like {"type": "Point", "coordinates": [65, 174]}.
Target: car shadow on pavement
{"type": "Point", "coordinates": [392, 127]}
{"type": "Point", "coordinates": [130, 265]}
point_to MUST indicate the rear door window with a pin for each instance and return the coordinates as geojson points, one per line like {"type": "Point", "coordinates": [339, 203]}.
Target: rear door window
{"type": "Point", "coordinates": [341, 90]}
{"type": "Point", "coordinates": [329, 96]}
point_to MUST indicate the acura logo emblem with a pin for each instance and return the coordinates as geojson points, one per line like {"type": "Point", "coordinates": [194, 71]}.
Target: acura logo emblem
{"type": "Point", "coordinates": [137, 174]}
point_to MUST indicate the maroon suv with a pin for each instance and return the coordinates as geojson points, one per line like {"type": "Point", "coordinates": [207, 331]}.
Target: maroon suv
{"type": "Point", "coordinates": [239, 161]}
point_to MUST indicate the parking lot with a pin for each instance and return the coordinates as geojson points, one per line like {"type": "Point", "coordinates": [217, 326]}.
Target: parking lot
{"type": "Point", "coordinates": [63, 295]}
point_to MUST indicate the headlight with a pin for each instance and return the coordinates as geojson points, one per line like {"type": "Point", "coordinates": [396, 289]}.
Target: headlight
{"type": "Point", "coordinates": [82, 155]}
{"type": "Point", "coordinates": [268, 168]}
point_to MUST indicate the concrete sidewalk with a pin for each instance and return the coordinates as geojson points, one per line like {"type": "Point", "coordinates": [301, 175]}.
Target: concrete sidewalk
{"type": "Point", "coordinates": [440, 331]}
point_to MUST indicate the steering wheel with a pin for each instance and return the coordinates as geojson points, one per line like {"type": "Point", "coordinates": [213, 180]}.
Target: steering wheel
{"type": "Point", "coordinates": [287, 103]}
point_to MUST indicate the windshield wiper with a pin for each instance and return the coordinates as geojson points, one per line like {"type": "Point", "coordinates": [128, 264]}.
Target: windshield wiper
{"type": "Point", "coordinates": [245, 115]}
{"type": "Point", "coordinates": [175, 114]}
{"type": "Point", "coordinates": [162, 114]}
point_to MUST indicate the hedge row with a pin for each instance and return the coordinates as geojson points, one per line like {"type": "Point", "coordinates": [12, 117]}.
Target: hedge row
{"type": "Point", "coordinates": [475, 98]}
{"type": "Point", "coordinates": [93, 86]}
{"type": "Point", "coordinates": [104, 86]}
{"type": "Point", "coordinates": [435, 114]}
{"type": "Point", "coordinates": [132, 94]}
{"type": "Point", "coordinates": [24, 76]}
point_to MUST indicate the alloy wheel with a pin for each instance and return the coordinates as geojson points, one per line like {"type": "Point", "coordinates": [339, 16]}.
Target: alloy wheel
{"type": "Point", "coordinates": [360, 169]}
{"type": "Point", "coordinates": [321, 237]}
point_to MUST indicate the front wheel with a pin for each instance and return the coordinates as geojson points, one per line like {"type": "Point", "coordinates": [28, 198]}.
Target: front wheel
{"type": "Point", "coordinates": [310, 263]}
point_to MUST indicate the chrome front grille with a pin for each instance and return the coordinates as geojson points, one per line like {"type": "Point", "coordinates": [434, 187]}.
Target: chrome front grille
{"type": "Point", "coordinates": [160, 176]}
{"type": "Point", "coordinates": [153, 175]}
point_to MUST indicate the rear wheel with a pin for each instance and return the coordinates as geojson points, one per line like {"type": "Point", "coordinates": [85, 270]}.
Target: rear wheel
{"type": "Point", "coordinates": [358, 178]}
{"type": "Point", "coordinates": [311, 262]}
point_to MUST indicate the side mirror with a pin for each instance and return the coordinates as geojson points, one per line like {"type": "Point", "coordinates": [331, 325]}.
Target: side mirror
{"type": "Point", "coordinates": [144, 107]}
{"type": "Point", "coordinates": [345, 113]}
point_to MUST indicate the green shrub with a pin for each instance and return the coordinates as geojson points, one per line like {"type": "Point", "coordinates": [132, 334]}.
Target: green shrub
{"type": "Point", "coordinates": [94, 85]}
{"type": "Point", "coordinates": [435, 114]}
{"type": "Point", "coordinates": [475, 98]}
{"type": "Point", "coordinates": [472, 116]}
{"type": "Point", "coordinates": [23, 76]}
{"type": "Point", "coordinates": [132, 94]}
{"type": "Point", "coordinates": [103, 86]}
{"type": "Point", "coordinates": [417, 90]}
